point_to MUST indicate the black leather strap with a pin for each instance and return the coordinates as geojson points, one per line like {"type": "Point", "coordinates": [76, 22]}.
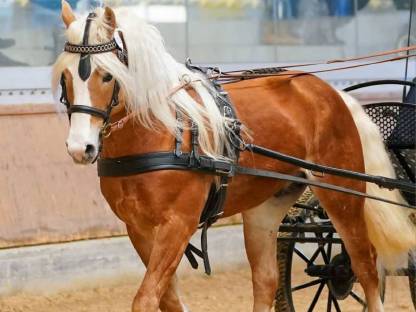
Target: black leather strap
{"type": "Point", "coordinates": [300, 180]}
{"type": "Point", "coordinates": [84, 67]}
{"type": "Point", "coordinates": [136, 164]}
{"type": "Point", "coordinates": [380, 181]}
{"type": "Point", "coordinates": [88, 110]}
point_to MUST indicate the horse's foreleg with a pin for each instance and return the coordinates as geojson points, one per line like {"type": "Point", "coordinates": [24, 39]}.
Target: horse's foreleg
{"type": "Point", "coordinates": [142, 240]}
{"type": "Point", "coordinates": [260, 233]}
{"type": "Point", "coordinates": [171, 239]}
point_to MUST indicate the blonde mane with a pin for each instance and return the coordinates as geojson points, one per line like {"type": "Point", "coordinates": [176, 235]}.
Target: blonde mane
{"type": "Point", "coordinates": [151, 76]}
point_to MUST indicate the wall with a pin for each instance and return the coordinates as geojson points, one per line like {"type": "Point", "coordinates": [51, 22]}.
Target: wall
{"type": "Point", "coordinates": [45, 197]}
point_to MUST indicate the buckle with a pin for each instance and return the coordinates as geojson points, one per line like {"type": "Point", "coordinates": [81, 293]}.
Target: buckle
{"type": "Point", "coordinates": [106, 130]}
{"type": "Point", "coordinates": [229, 171]}
{"type": "Point", "coordinates": [225, 172]}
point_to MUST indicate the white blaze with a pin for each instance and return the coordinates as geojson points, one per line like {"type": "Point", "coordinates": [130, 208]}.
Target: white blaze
{"type": "Point", "coordinates": [82, 132]}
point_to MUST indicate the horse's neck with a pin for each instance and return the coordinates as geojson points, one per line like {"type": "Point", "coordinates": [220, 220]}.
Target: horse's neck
{"type": "Point", "coordinates": [135, 139]}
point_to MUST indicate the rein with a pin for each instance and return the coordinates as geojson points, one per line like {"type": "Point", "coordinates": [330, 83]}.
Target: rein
{"type": "Point", "coordinates": [349, 59]}
{"type": "Point", "coordinates": [235, 76]}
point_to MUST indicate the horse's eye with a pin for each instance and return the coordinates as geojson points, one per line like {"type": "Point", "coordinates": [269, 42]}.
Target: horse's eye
{"type": "Point", "coordinates": [107, 78]}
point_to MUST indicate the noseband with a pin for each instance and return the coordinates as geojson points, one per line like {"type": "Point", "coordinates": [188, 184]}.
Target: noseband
{"type": "Point", "coordinates": [84, 70]}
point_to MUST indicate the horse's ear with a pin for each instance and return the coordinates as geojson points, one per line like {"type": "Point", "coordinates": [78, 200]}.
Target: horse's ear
{"type": "Point", "coordinates": [67, 15]}
{"type": "Point", "coordinates": [110, 19]}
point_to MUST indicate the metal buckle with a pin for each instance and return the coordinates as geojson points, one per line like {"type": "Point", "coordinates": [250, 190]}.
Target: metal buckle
{"type": "Point", "coordinates": [317, 174]}
{"type": "Point", "coordinates": [225, 172]}
{"type": "Point", "coordinates": [106, 130]}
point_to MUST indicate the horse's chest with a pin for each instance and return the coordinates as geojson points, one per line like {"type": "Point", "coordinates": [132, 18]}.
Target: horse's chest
{"type": "Point", "coordinates": [127, 199]}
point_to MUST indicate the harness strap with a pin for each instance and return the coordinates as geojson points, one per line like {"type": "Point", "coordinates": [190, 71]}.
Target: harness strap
{"type": "Point", "coordinates": [299, 180]}
{"type": "Point", "coordinates": [136, 164]}
{"type": "Point", "coordinates": [379, 180]}
{"type": "Point", "coordinates": [178, 138]}
{"type": "Point", "coordinates": [87, 110]}
{"type": "Point", "coordinates": [130, 165]}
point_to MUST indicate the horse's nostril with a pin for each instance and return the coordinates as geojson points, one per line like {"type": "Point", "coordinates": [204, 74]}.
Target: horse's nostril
{"type": "Point", "coordinates": [89, 149]}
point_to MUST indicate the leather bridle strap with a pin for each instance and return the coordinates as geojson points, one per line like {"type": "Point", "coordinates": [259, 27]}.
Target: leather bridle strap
{"type": "Point", "coordinates": [84, 67]}
{"type": "Point", "coordinates": [91, 49]}
{"type": "Point", "coordinates": [88, 110]}
{"type": "Point", "coordinates": [93, 111]}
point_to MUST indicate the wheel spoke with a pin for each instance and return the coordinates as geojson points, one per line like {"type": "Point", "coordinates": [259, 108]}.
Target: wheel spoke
{"type": "Point", "coordinates": [321, 248]}
{"type": "Point", "coordinates": [358, 298]}
{"type": "Point", "coordinates": [301, 255]}
{"type": "Point", "coordinates": [316, 297]}
{"type": "Point", "coordinates": [308, 284]}
{"type": "Point", "coordinates": [329, 302]}
{"type": "Point", "coordinates": [336, 305]}
{"type": "Point", "coordinates": [324, 255]}
{"type": "Point", "coordinates": [314, 256]}
{"type": "Point", "coordinates": [329, 248]}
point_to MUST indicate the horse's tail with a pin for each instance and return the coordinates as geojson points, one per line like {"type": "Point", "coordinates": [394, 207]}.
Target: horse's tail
{"type": "Point", "coordinates": [389, 227]}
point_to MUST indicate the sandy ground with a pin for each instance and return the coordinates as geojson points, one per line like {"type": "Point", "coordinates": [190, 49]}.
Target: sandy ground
{"type": "Point", "coordinates": [225, 291]}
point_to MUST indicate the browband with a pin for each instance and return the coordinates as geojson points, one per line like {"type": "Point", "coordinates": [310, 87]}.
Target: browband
{"type": "Point", "coordinates": [91, 49]}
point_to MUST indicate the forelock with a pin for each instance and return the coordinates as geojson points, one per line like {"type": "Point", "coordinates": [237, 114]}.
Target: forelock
{"type": "Point", "coordinates": [99, 29]}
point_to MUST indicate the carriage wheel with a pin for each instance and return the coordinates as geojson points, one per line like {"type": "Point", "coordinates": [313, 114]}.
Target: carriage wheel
{"type": "Point", "coordinates": [327, 283]}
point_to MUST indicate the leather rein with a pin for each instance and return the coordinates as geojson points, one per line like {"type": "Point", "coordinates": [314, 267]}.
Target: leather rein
{"type": "Point", "coordinates": [238, 75]}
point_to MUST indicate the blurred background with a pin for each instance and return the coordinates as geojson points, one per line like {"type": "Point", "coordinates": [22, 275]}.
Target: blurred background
{"type": "Point", "coordinates": [231, 32]}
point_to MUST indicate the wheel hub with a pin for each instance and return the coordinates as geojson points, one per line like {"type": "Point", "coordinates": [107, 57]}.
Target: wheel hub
{"type": "Point", "coordinates": [342, 281]}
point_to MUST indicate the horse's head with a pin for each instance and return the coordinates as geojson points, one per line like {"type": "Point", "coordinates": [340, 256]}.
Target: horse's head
{"type": "Point", "coordinates": [90, 89]}
{"type": "Point", "coordinates": [97, 81]}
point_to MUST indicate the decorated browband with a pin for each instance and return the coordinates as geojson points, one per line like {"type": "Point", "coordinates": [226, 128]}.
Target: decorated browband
{"type": "Point", "coordinates": [85, 49]}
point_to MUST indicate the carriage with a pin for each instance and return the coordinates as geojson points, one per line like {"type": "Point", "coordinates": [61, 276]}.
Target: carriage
{"type": "Point", "coordinates": [307, 226]}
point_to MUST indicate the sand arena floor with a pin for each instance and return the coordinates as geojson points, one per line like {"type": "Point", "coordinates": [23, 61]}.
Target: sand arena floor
{"type": "Point", "coordinates": [224, 291]}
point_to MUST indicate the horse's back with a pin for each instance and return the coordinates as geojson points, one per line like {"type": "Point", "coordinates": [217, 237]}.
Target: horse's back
{"type": "Point", "coordinates": [296, 109]}
{"type": "Point", "coordinates": [301, 116]}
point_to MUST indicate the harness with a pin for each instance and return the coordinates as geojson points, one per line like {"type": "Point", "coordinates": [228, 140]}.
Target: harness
{"type": "Point", "coordinates": [193, 160]}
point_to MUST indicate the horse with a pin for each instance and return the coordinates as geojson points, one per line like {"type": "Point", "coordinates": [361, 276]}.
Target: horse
{"type": "Point", "coordinates": [299, 115]}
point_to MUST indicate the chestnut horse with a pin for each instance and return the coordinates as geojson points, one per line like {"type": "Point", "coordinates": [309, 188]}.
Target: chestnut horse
{"type": "Point", "coordinates": [300, 116]}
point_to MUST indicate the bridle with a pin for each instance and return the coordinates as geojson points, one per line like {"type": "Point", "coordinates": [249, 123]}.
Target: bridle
{"type": "Point", "coordinates": [84, 70]}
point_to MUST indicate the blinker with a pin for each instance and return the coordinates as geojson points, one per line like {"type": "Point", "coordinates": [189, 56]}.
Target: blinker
{"type": "Point", "coordinates": [84, 67]}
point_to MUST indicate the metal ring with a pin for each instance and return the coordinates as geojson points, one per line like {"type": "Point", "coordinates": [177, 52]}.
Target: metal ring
{"type": "Point", "coordinates": [186, 79]}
